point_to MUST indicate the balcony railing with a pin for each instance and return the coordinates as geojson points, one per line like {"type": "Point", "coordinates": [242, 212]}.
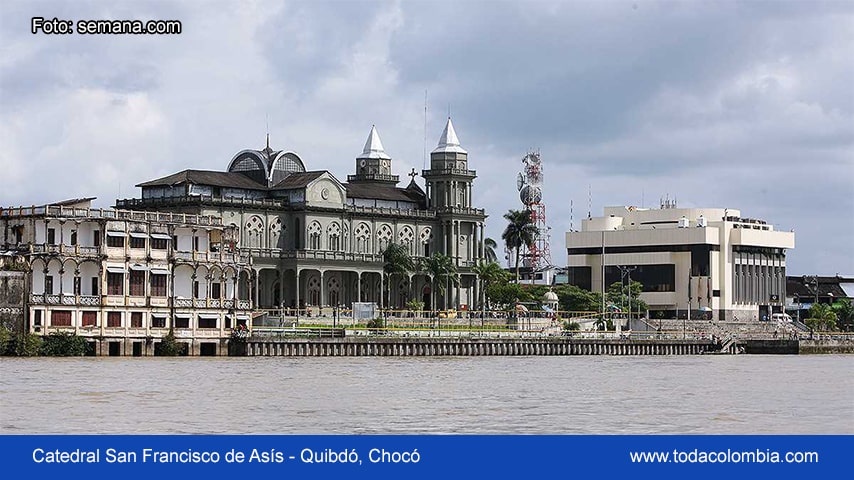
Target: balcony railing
{"type": "Point", "coordinates": [100, 213]}
{"type": "Point", "coordinates": [390, 212]}
{"type": "Point", "coordinates": [312, 254]}
{"type": "Point", "coordinates": [449, 171]}
{"type": "Point", "coordinates": [116, 300]}
{"type": "Point", "coordinates": [196, 199]}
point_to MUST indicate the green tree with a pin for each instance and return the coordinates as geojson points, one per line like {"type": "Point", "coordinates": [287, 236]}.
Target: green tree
{"type": "Point", "coordinates": [63, 344]}
{"type": "Point", "coordinates": [397, 263]}
{"type": "Point", "coordinates": [505, 295]}
{"type": "Point", "coordinates": [844, 310]}
{"type": "Point", "coordinates": [169, 346]}
{"type": "Point", "coordinates": [571, 326]}
{"type": "Point", "coordinates": [577, 299]}
{"type": "Point", "coordinates": [618, 294]}
{"type": "Point", "coordinates": [822, 318]}
{"type": "Point", "coordinates": [489, 250]}
{"type": "Point", "coordinates": [443, 275]}
{"type": "Point", "coordinates": [520, 231]}
{"type": "Point", "coordinates": [489, 273]}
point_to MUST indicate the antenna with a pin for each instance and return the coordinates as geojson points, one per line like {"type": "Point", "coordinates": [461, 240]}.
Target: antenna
{"type": "Point", "coordinates": [589, 202]}
{"type": "Point", "coordinates": [424, 158]}
{"type": "Point", "coordinates": [267, 120]}
{"type": "Point", "coordinates": [571, 229]}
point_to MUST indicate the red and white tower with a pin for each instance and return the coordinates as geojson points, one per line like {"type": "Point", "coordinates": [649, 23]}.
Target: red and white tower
{"type": "Point", "coordinates": [530, 185]}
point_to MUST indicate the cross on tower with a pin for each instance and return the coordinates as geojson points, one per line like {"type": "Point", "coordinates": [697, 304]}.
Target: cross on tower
{"type": "Point", "coordinates": [413, 174]}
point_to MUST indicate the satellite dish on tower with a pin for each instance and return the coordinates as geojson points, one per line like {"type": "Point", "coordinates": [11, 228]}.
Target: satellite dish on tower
{"type": "Point", "coordinates": [520, 182]}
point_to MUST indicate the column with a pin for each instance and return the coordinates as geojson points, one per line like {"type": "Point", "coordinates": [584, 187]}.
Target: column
{"type": "Point", "coordinates": [296, 275]}
{"type": "Point", "coordinates": [359, 286]}
{"type": "Point", "coordinates": [322, 290]}
{"type": "Point", "coordinates": [382, 290]}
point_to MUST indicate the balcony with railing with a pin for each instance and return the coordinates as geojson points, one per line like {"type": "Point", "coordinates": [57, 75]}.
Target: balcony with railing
{"type": "Point", "coordinates": [200, 199]}
{"type": "Point", "coordinates": [461, 172]}
{"type": "Point", "coordinates": [137, 302]}
{"type": "Point", "coordinates": [462, 211]}
{"type": "Point", "coordinates": [389, 212]}
{"type": "Point", "coordinates": [322, 255]}
{"type": "Point", "coordinates": [55, 211]}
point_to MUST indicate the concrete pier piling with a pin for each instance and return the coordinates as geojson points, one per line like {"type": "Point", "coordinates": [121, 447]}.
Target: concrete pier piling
{"type": "Point", "coordinates": [430, 347]}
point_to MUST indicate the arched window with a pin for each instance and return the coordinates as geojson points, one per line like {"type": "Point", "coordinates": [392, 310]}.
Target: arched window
{"type": "Point", "coordinates": [254, 231]}
{"type": "Point", "coordinates": [333, 234]}
{"type": "Point", "coordinates": [314, 291]}
{"type": "Point", "coordinates": [363, 237]}
{"type": "Point", "coordinates": [426, 239]}
{"type": "Point", "coordinates": [383, 237]}
{"type": "Point", "coordinates": [407, 239]}
{"type": "Point", "coordinates": [276, 233]}
{"type": "Point", "coordinates": [314, 231]}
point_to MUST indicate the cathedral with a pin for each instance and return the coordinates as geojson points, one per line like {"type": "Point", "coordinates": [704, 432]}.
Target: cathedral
{"type": "Point", "coordinates": [316, 243]}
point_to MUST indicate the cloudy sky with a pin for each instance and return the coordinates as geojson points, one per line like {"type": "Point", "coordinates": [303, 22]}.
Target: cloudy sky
{"type": "Point", "coordinates": [745, 105]}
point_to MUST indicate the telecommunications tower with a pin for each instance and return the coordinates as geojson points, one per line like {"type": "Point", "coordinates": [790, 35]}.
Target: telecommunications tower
{"type": "Point", "coordinates": [530, 186]}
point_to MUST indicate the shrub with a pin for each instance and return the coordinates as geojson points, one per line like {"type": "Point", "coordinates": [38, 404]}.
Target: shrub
{"type": "Point", "coordinates": [168, 346]}
{"type": "Point", "coordinates": [63, 344]}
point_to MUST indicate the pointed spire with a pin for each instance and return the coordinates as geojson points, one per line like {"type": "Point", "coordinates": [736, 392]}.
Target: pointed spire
{"type": "Point", "coordinates": [373, 146]}
{"type": "Point", "coordinates": [268, 140]}
{"type": "Point", "coordinates": [449, 142]}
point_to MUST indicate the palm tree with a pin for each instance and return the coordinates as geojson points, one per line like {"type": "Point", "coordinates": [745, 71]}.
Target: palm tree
{"type": "Point", "coordinates": [397, 262]}
{"type": "Point", "coordinates": [488, 273]}
{"type": "Point", "coordinates": [489, 250]}
{"type": "Point", "coordinates": [822, 317]}
{"type": "Point", "coordinates": [442, 272]}
{"type": "Point", "coordinates": [520, 232]}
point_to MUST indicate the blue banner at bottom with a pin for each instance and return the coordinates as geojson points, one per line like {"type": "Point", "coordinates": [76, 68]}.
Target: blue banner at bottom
{"type": "Point", "coordinates": [422, 456]}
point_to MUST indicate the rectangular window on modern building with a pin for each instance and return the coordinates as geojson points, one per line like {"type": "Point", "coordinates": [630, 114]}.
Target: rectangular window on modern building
{"type": "Point", "coordinates": [90, 319]}
{"type": "Point", "coordinates": [137, 283]}
{"type": "Point", "coordinates": [115, 283]}
{"type": "Point", "coordinates": [654, 278]}
{"type": "Point", "coordinates": [114, 319]}
{"type": "Point", "coordinates": [60, 318]}
{"type": "Point", "coordinates": [581, 277]}
{"type": "Point", "coordinates": [136, 319]}
{"type": "Point", "coordinates": [158, 285]}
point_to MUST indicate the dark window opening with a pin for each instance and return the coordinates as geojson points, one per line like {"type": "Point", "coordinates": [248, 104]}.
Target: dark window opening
{"type": "Point", "coordinates": [159, 244]}
{"type": "Point", "coordinates": [114, 319]}
{"type": "Point", "coordinates": [182, 322]}
{"type": "Point", "coordinates": [48, 285]}
{"type": "Point", "coordinates": [654, 278]}
{"type": "Point", "coordinates": [74, 237]}
{"type": "Point", "coordinates": [136, 319]}
{"type": "Point", "coordinates": [95, 285]}
{"type": "Point", "coordinates": [137, 242]}
{"type": "Point", "coordinates": [137, 283]}
{"type": "Point", "coordinates": [115, 283]}
{"type": "Point", "coordinates": [96, 238]}
{"type": "Point", "coordinates": [60, 318]}
{"type": "Point", "coordinates": [158, 322]}
{"type": "Point", "coordinates": [216, 290]}
{"type": "Point", "coordinates": [158, 285]}
{"type": "Point", "coordinates": [581, 277]}
{"type": "Point", "coordinates": [37, 318]}
{"type": "Point", "coordinates": [137, 349]}
{"type": "Point", "coordinates": [115, 242]}
{"type": "Point", "coordinates": [196, 289]}
{"type": "Point", "coordinates": [207, 322]}
{"type": "Point", "coordinates": [51, 236]}
{"type": "Point", "coordinates": [90, 319]}
{"type": "Point", "coordinates": [207, 349]}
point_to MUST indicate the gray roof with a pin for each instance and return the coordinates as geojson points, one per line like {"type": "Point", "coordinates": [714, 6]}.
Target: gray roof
{"type": "Point", "coordinates": [298, 180]}
{"type": "Point", "coordinates": [206, 177]}
{"type": "Point", "coordinates": [379, 191]}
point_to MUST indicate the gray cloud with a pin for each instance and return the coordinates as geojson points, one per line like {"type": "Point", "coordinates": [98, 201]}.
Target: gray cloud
{"type": "Point", "coordinates": [747, 105]}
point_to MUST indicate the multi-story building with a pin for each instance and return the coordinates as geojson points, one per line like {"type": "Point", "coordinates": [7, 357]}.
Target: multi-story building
{"type": "Point", "coordinates": [317, 242]}
{"type": "Point", "coordinates": [710, 262]}
{"type": "Point", "coordinates": [125, 278]}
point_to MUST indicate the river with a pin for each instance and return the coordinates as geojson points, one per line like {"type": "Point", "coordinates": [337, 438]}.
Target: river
{"type": "Point", "coordinates": [744, 394]}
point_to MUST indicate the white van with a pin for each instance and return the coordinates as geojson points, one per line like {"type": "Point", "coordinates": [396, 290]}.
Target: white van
{"type": "Point", "coordinates": [781, 317]}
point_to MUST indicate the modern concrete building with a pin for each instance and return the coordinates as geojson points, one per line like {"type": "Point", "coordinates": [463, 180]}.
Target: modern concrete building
{"type": "Point", "coordinates": [316, 241]}
{"type": "Point", "coordinates": [124, 278]}
{"type": "Point", "coordinates": [710, 261]}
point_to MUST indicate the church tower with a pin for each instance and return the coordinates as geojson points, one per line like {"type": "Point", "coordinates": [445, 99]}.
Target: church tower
{"type": "Point", "coordinates": [373, 164]}
{"type": "Point", "coordinates": [449, 181]}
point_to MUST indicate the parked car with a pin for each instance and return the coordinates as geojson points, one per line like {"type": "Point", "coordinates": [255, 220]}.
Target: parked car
{"type": "Point", "coordinates": [781, 317]}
